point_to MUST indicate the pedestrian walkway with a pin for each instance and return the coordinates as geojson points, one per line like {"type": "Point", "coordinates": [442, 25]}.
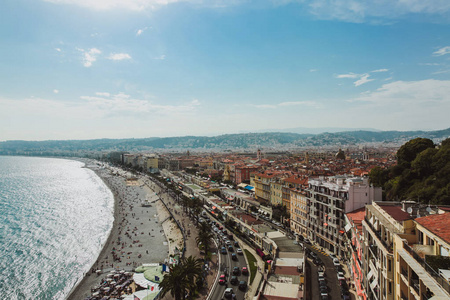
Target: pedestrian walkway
{"type": "Point", "coordinates": [320, 250]}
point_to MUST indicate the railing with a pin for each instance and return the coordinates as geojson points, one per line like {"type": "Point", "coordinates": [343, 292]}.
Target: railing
{"type": "Point", "coordinates": [441, 281]}
{"type": "Point", "coordinates": [415, 284]}
{"type": "Point", "coordinates": [378, 234]}
{"type": "Point", "coordinates": [404, 272]}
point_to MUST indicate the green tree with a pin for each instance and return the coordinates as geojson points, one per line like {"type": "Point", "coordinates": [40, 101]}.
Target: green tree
{"type": "Point", "coordinates": [204, 236]}
{"type": "Point", "coordinates": [408, 152]}
{"type": "Point", "coordinates": [182, 278]}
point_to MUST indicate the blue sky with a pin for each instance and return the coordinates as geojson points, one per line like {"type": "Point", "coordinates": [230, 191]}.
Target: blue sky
{"type": "Point", "coordinates": [82, 69]}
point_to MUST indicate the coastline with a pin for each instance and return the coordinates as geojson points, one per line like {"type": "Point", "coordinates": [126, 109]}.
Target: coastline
{"type": "Point", "coordinates": [131, 223]}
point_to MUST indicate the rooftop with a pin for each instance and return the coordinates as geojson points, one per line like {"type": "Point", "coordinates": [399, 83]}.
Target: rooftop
{"type": "Point", "coordinates": [395, 211]}
{"type": "Point", "coordinates": [437, 224]}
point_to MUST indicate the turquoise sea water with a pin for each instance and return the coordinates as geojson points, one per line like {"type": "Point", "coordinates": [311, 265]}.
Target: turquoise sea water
{"type": "Point", "coordinates": [55, 216]}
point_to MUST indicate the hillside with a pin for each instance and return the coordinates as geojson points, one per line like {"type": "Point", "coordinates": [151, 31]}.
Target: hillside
{"type": "Point", "coordinates": [245, 141]}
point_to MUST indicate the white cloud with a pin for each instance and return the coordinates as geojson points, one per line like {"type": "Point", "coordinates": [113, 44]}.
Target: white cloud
{"type": "Point", "coordinates": [141, 31]}
{"type": "Point", "coordinates": [119, 56]}
{"type": "Point", "coordinates": [55, 91]}
{"type": "Point", "coordinates": [379, 70]}
{"type": "Point", "coordinates": [442, 51]}
{"type": "Point", "coordinates": [58, 49]}
{"type": "Point", "coordinates": [134, 5]}
{"type": "Point", "coordinates": [90, 56]}
{"type": "Point", "coordinates": [123, 104]}
{"type": "Point", "coordinates": [298, 103]}
{"type": "Point", "coordinates": [288, 103]}
{"type": "Point", "coordinates": [363, 80]}
{"type": "Point", "coordinates": [313, 70]}
{"type": "Point", "coordinates": [265, 106]}
{"type": "Point", "coordinates": [102, 94]}
{"type": "Point", "coordinates": [410, 93]}
{"type": "Point", "coordinates": [379, 11]}
{"type": "Point", "coordinates": [350, 75]}
{"type": "Point", "coordinates": [161, 57]}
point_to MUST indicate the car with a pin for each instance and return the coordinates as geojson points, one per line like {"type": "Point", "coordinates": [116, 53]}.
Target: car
{"type": "Point", "coordinates": [323, 282]}
{"type": "Point", "coordinates": [230, 248]}
{"type": "Point", "coordinates": [239, 251]}
{"type": "Point", "coordinates": [340, 276]}
{"type": "Point", "coordinates": [242, 285]}
{"type": "Point", "coordinates": [236, 244]}
{"type": "Point", "coordinates": [234, 280]}
{"type": "Point", "coordinates": [321, 274]}
{"type": "Point", "coordinates": [223, 250]}
{"type": "Point", "coordinates": [215, 229]}
{"type": "Point", "coordinates": [317, 261]}
{"type": "Point", "coordinates": [236, 271]}
{"type": "Point", "coordinates": [323, 289]}
{"type": "Point", "coordinates": [244, 271]}
{"type": "Point", "coordinates": [222, 279]}
{"type": "Point", "coordinates": [336, 262]}
{"type": "Point", "coordinates": [220, 228]}
{"type": "Point", "coordinates": [227, 242]}
{"type": "Point", "coordinates": [230, 236]}
{"type": "Point", "coordinates": [228, 293]}
{"type": "Point", "coordinates": [234, 256]}
{"type": "Point", "coordinates": [225, 231]}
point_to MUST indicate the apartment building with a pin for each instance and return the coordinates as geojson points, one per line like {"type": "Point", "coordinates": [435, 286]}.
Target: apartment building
{"type": "Point", "coordinates": [299, 212]}
{"type": "Point", "coordinates": [383, 221]}
{"type": "Point", "coordinates": [422, 260]}
{"type": "Point", "coordinates": [354, 253]}
{"type": "Point", "coordinates": [276, 192]}
{"type": "Point", "coordinates": [329, 199]}
{"type": "Point", "coordinates": [405, 258]}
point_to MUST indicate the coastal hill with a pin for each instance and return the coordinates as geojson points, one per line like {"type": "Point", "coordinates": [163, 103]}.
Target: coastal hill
{"type": "Point", "coordinates": [243, 141]}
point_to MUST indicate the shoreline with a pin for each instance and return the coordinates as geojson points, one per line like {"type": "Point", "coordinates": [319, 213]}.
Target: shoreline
{"type": "Point", "coordinates": [152, 248]}
{"type": "Point", "coordinates": [81, 283]}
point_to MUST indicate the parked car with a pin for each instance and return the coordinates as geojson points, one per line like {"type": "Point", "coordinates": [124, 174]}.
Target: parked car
{"type": "Point", "coordinates": [336, 262]}
{"type": "Point", "coordinates": [242, 285]}
{"type": "Point", "coordinates": [222, 279]}
{"type": "Point", "coordinates": [236, 271]}
{"type": "Point", "coordinates": [244, 271]}
{"type": "Point", "coordinates": [228, 293]}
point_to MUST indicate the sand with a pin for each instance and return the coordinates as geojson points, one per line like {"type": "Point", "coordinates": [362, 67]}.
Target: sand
{"type": "Point", "coordinates": [139, 234]}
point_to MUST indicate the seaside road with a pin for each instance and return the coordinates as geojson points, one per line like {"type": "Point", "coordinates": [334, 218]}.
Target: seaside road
{"type": "Point", "coordinates": [191, 233]}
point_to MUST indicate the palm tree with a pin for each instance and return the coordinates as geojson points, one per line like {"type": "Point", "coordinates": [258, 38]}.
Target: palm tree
{"type": "Point", "coordinates": [204, 236]}
{"type": "Point", "coordinates": [182, 278]}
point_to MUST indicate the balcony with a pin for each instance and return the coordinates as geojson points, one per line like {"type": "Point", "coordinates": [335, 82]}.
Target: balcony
{"type": "Point", "coordinates": [378, 235]}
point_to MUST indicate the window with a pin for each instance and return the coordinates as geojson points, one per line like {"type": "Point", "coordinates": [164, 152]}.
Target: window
{"type": "Point", "coordinates": [420, 237]}
{"type": "Point", "coordinates": [389, 270]}
{"type": "Point", "coordinates": [430, 241]}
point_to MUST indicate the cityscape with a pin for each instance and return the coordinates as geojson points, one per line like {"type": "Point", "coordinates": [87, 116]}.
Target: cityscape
{"type": "Point", "coordinates": [317, 222]}
{"type": "Point", "coordinates": [225, 149]}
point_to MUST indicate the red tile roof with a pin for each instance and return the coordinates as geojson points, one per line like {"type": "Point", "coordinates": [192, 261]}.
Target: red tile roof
{"type": "Point", "coordinates": [437, 224]}
{"type": "Point", "coordinates": [395, 212]}
{"type": "Point", "coordinates": [357, 216]}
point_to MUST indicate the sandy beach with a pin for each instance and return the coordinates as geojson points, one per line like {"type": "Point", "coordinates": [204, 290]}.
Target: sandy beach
{"type": "Point", "coordinates": [139, 234]}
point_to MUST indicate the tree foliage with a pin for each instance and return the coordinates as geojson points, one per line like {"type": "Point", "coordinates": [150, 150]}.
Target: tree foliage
{"type": "Point", "coordinates": [422, 173]}
{"type": "Point", "coordinates": [182, 278]}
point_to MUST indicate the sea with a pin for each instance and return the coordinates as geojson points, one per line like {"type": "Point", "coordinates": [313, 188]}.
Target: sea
{"type": "Point", "coordinates": [55, 216]}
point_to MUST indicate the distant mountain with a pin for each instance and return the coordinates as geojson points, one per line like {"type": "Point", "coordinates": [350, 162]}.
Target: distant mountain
{"type": "Point", "coordinates": [306, 130]}
{"type": "Point", "coordinates": [244, 141]}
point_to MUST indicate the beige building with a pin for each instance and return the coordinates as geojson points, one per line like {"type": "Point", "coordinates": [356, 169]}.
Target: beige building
{"type": "Point", "coordinates": [422, 260]}
{"type": "Point", "coordinates": [299, 212]}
